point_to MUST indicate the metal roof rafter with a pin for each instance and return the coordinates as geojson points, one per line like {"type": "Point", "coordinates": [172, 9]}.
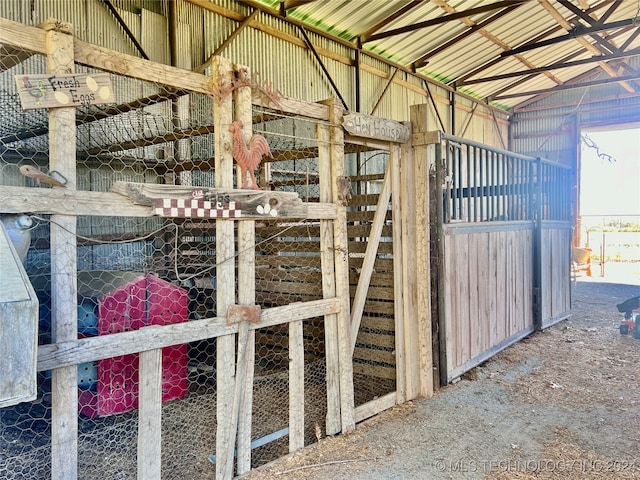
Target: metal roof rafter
{"type": "Point", "coordinates": [443, 19]}
{"type": "Point", "coordinates": [389, 19]}
{"type": "Point", "coordinates": [573, 34]}
{"type": "Point", "coordinates": [569, 86]}
{"type": "Point", "coordinates": [586, 16]}
{"type": "Point", "coordinates": [421, 62]}
{"type": "Point", "coordinates": [543, 35]}
{"type": "Point", "coordinates": [583, 41]}
{"type": "Point", "coordinates": [554, 66]}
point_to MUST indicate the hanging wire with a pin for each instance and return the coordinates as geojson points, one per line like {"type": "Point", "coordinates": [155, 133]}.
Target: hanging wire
{"type": "Point", "coordinates": [588, 141]}
{"type": "Point", "coordinates": [566, 120]}
{"type": "Point", "coordinates": [176, 236]}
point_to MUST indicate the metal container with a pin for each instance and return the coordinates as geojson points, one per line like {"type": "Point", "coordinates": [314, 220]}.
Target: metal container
{"type": "Point", "coordinates": [18, 327]}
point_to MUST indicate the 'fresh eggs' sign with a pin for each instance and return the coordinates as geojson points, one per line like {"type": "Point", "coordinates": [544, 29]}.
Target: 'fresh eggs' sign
{"type": "Point", "coordinates": [52, 90]}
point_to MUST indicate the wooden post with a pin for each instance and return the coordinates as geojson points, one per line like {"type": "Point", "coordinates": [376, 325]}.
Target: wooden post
{"type": "Point", "coordinates": [239, 385]}
{"type": "Point", "coordinates": [341, 262]}
{"type": "Point", "coordinates": [296, 387]}
{"type": "Point", "coordinates": [246, 292]}
{"type": "Point", "coordinates": [420, 160]}
{"type": "Point", "coordinates": [150, 415]}
{"type": "Point", "coordinates": [329, 285]}
{"type": "Point", "coordinates": [409, 273]}
{"type": "Point", "coordinates": [398, 276]}
{"type": "Point", "coordinates": [64, 279]}
{"type": "Point", "coordinates": [225, 273]}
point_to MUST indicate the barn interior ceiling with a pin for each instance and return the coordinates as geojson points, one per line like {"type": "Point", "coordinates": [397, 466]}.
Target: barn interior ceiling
{"type": "Point", "coordinates": [508, 53]}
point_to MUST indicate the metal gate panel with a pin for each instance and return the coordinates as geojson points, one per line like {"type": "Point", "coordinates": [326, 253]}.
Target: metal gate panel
{"type": "Point", "coordinates": [502, 262]}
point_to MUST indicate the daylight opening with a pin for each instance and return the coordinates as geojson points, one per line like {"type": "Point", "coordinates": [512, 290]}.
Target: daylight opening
{"type": "Point", "coordinates": [609, 199]}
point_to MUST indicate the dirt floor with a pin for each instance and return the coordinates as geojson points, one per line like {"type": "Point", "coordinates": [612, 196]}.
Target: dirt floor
{"type": "Point", "coordinates": [562, 403]}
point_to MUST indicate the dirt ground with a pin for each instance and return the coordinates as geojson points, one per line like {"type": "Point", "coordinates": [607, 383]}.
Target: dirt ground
{"type": "Point", "coordinates": [562, 403]}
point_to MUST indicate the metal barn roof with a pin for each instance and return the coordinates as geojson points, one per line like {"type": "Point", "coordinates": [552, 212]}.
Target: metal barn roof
{"type": "Point", "coordinates": [505, 52]}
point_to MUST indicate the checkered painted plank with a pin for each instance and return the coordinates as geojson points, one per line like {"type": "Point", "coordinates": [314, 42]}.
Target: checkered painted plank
{"type": "Point", "coordinates": [195, 208]}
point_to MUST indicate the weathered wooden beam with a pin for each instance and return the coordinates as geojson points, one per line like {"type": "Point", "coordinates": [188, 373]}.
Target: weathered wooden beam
{"type": "Point", "coordinates": [32, 39]}
{"type": "Point", "coordinates": [296, 386]}
{"type": "Point", "coordinates": [341, 263]}
{"type": "Point", "coordinates": [398, 266]}
{"type": "Point", "coordinates": [376, 406]}
{"type": "Point", "coordinates": [423, 255]}
{"type": "Point", "coordinates": [150, 415]}
{"type": "Point", "coordinates": [246, 296]}
{"type": "Point", "coordinates": [63, 201]}
{"type": "Point", "coordinates": [90, 349]}
{"type": "Point", "coordinates": [284, 204]}
{"type": "Point", "coordinates": [332, 424]}
{"type": "Point", "coordinates": [64, 288]}
{"type": "Point", "coordinates": [413, 220]}
{"type": "Point", "coordinates": [222, 72]}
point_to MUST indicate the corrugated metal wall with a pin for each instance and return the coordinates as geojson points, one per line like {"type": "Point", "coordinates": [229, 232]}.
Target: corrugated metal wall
{"type": "Point", "coordinates": [550, 128]}
{"type": "Point", "coordinates": [277, 51]}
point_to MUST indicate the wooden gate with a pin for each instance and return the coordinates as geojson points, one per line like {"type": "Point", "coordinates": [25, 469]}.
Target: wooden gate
{"type": "Point", "coordinates": [501, 256]}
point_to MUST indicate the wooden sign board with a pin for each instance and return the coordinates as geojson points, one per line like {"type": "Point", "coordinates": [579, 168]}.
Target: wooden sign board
{"type": "Point", "coordinates": [373, 127]}
{"type": "Point", "coordinates": [202, 202]}
{"type": "Point", "coordinates": [53, 90]}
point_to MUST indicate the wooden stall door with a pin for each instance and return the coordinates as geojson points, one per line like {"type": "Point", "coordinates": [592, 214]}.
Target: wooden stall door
{"type": "Point", "coordinates": [553, 243]}
{"type": "Point", "coordinates": [502, 253]}
{"type": "Point", "coordinates": [487, 294]}
{"type": "Point", "coordinates": [554, 266]}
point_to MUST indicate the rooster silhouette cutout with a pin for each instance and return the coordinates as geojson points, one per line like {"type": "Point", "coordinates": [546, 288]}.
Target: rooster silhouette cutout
{"type": "Point", "coordinates": [248, 158]}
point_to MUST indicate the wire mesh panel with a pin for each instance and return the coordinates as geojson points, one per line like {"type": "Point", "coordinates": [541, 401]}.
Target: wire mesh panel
{"type": "Point", "coordinates": [140, 272]}
{"type": "Point", "coordinates": [289, 269]}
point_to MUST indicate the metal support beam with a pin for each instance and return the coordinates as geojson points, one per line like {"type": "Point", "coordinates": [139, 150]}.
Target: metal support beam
{"type": "Point", "coordinates": [422, 61]}
{"type": "Point", "coordinates": [435, 107]}
{"type": "Point", "coordinates": [573, 34]}
{"type": "Point", "coordinates": [553, 66]}
{"type": "Point", "coordinates": [322, 66]}
{"type": "Point", "coordinates": [386, 87]}
{"type": "Point", "coordinates": [569, 86]}
{"type": "Point", "coordinates": [124, 26]}
{"type": "Point", "coordinates": [443, 19]}
{"type": "Point", "coordinates": [227, 41]}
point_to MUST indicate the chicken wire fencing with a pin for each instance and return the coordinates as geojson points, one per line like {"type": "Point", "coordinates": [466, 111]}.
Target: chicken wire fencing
{"type": "Point", "coordinates": [139, 271]}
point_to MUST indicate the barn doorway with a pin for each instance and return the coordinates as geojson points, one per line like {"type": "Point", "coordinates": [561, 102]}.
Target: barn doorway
{"type": "Point", "coordinates": [609, 200]}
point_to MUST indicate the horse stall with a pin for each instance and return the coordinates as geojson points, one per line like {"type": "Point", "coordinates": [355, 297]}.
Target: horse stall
{"type": "Point", "coordinates": [500, 250]}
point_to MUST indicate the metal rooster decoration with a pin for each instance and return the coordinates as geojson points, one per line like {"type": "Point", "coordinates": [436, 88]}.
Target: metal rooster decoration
{"type": "Point", "coordinates": [248, 158]}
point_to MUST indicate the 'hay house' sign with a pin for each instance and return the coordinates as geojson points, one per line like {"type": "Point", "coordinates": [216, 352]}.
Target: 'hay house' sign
{"type": "Point", "coordinates": [53, 90]}
{"type": "Point", "coordinates": [374, 127]}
